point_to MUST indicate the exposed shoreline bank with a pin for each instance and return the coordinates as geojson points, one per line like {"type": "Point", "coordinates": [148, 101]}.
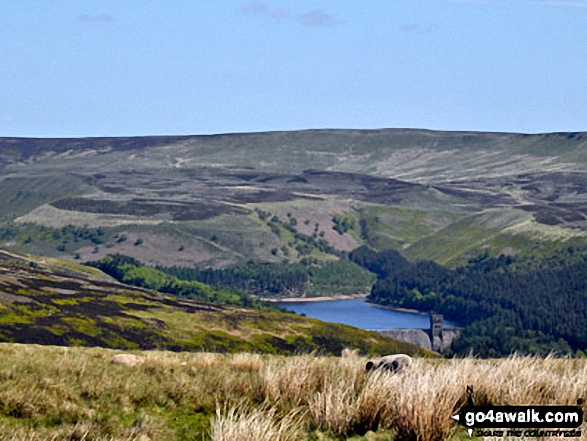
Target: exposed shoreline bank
{"type": "Point", "coordinates": [314, 299]}
{"type": "Point", "coordinates": [341, 297]}
{"type": "Point", "coordinates": [393, 308]}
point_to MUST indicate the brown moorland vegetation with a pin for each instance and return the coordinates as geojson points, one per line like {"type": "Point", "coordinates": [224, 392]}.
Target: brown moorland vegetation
{"type": "Point", "coordinates": [444, 196]}
{"type": "Point", "coordinates": [61, 393]}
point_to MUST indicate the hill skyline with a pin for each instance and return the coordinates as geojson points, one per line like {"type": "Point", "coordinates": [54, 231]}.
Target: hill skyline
{"type": "Point", "coordinates": [206, 200]}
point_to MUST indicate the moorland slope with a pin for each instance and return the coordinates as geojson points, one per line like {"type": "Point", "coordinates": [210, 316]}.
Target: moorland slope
{"type": "Point", "coordinates": [225, 199]}
{"type": "Point", "coordinates": [51, 302]}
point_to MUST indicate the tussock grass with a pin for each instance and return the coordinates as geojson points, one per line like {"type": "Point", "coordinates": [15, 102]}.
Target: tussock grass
{"type": "Point", "coordinates": [78, 394]}
{"type": "Point", "coordinates": [259, 424]}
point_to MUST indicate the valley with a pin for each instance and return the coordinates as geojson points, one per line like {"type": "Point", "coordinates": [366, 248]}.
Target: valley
{"type": "Point", "coordinates": [52, 302]}
{"type": "Point", "coordinates": [155, 244]}
{"type": "Point", "coordinates": [278, 214]}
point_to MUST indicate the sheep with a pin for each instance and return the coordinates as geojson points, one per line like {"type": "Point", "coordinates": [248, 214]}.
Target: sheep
{"type": "Point", "coordinates": [394, 363]}
{"type": "Point", "coordinates": [128, 360]}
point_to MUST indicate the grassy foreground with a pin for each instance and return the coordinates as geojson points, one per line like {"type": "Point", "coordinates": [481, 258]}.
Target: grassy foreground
{"type": "Point", "coordinates": [61, 393]}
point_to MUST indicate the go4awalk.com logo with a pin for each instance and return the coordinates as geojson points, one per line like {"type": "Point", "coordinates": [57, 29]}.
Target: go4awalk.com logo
{"type": "Point", "coordinates": [526, 421]}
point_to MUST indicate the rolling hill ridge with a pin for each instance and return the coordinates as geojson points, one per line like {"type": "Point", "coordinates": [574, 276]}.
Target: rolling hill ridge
{"type": "Point", "coordinates": [220, 200]}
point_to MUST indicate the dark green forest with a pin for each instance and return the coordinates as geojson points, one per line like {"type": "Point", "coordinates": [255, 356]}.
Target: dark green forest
{"type": "Point", "coordinates": [506, 304]}
{"type": "Point", "coordinates": [128, 270]}
{"type": "Point", "coordinates": [284, 279]}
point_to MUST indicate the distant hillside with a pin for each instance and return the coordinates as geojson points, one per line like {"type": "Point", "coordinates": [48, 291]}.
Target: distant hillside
{"type": "Point", "coordinates": [51, 302]}
{"type": "Point", "coordinates": [286, 196]}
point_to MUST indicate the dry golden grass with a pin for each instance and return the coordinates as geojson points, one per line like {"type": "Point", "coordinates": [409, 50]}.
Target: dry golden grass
{"type": "Point", "coordinates": [260, 424]}
{"type": "Point", "coordinates": [78, 394]}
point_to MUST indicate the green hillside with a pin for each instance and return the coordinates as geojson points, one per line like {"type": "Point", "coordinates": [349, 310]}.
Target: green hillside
{"type": "Point", "coordinates": [280, 196]}
{"type": "Point", "coordinates": [50, 302]}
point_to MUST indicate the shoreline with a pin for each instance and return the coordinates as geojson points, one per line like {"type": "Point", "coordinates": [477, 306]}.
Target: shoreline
{"type": "Point", "coordinates": [393, 308]}
{"type": "Point", "coordinates": [340, 297]}
{"type": "Point", "coordinates": [314, 299]}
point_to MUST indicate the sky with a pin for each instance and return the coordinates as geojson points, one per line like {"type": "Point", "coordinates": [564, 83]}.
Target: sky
{"type": "Point", "coordinates": [71, 68]}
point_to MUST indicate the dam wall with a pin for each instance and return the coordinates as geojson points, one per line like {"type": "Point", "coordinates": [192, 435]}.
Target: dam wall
{"type": "Point", "coordinates": [436, 338]}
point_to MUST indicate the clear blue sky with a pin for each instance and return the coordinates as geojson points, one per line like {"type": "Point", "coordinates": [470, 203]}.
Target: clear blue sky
{"type": "Point", "coordinates": [71, 68]}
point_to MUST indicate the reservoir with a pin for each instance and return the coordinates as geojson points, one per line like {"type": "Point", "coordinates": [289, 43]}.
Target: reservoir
{"type": "Point", "coordinates": [356, 312]}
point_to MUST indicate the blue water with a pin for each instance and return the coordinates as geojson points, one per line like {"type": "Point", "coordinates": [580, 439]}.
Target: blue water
{"type": "Point", "coordinates": [356, 312]}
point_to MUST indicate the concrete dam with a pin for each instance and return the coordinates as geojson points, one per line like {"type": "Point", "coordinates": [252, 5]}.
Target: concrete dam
{"type": "Point", "coordinates": [436, 338]}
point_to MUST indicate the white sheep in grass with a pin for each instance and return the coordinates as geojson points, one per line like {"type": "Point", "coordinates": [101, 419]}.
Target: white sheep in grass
{"type": "Point", "coordinates": [393, 363]}
{"type": "Point", "coordinates": [128, 360]}
{"type": "Point", "coordinates": [137, 360]}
